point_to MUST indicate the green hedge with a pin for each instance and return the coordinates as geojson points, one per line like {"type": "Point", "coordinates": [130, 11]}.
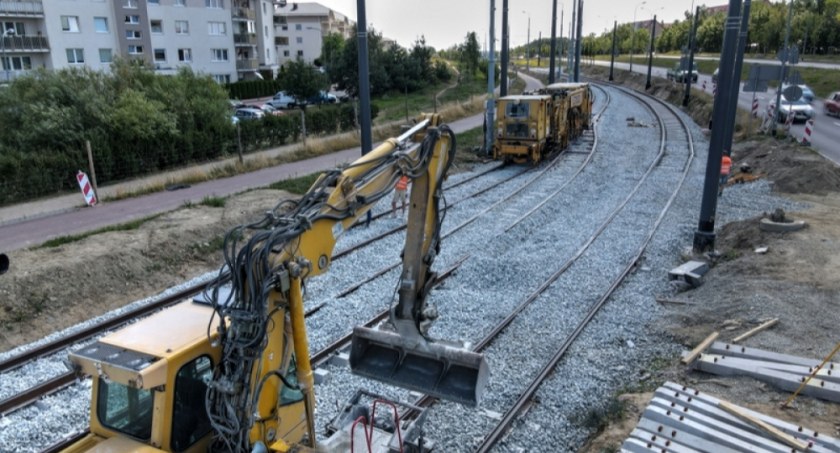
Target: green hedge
{"type": "Point", "coordinates": [253, 89]}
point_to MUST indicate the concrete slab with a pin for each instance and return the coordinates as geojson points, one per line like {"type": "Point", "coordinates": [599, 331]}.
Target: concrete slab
{"type": "Point", "coordinates": [691, 272]}
{"type": "Point", "coordinates": [735, 350]}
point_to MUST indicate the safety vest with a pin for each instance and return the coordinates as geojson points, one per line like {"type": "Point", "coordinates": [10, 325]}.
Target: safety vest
{"type": "Point", "coordinates": [402, 184]}
{"type": "Point", "coordinates": [725, 165]}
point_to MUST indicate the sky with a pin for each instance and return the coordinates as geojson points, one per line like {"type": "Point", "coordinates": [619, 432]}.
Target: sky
{"type": "Point", "coordinates": [446, 22]}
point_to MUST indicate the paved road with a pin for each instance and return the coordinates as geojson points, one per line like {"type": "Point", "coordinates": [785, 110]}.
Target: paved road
{"type": "Point", "coordinates": [802, 63]}
{"type": "Point", "coordinates": [826, 134]}
{"type": "Point", "coordinates": [47, 219]}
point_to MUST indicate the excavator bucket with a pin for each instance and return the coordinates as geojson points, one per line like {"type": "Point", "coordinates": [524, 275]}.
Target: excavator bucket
{"type": "Point", "coordinates": [433, 368]}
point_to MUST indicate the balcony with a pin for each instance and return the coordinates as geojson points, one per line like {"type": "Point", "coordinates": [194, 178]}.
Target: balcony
{"type": "Point", "coordinates": [244, 14]}
{"type": "Point", "coordinates": [25, 8]}
{"type": "Point", "coordinates": [245, 39]}
{"type": "Point", "coordinates": [12, 44]}
{"type": "Point", "coordinates": [247, 64]}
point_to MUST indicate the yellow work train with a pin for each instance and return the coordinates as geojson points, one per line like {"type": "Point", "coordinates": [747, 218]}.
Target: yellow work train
{"type": "Point", "coordinates": [529, 127]}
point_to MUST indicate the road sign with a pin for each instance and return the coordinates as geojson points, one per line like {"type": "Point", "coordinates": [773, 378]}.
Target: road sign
{"type": "Point", "coordinates": [760, 75]}
{"type": "Point", "coordinates": [791, 55]}
{"type": "Point", "coordinates": [752, 86]}
{"type": "Point", "coordinates": [792, 93]}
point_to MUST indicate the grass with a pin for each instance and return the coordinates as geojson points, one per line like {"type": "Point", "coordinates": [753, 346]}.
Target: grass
{"type": "Point", "coordinates": [213, 201]}
{"type": "Point", "coordinates": [597, 418]}
{"type": "Point", "coordinates": [822, 81]}
{"type": "Point", "coordinates": [128, 226]}
{"type": "Point", "coordinates": [297, 185]}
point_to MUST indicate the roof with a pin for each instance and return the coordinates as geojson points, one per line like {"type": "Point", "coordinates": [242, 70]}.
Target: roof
{"type": "Point", "coordinates": [308, 9]}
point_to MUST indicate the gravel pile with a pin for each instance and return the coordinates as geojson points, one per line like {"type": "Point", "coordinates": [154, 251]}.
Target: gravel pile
{"type": "Point", "coordinates": [502, 270]}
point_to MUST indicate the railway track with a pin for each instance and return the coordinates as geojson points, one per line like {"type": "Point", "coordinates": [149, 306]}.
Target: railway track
{"type": "Point", "coordinates": [675, 132]}
{"type": "Point", "coordinates": [589, 145]}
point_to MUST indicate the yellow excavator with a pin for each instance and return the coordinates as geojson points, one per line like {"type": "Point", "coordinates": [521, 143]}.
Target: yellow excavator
{"type": "Point", "coordinates": [232, 373]}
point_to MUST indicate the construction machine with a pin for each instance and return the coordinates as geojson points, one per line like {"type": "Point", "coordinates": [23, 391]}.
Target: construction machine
{"type": "Point", "coordinates": [230, 371]}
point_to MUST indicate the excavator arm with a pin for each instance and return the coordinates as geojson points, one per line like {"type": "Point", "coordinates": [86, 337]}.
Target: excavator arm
{"type": "Point", "coordinates": [266, 277]}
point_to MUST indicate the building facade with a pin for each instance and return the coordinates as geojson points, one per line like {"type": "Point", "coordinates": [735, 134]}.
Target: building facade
{"type": "Point", "coordinates": [253, 22]}
{"type": "Point", "coordinates": [300, 28]}
{"type": "Point", "coordinates": [168, 34]}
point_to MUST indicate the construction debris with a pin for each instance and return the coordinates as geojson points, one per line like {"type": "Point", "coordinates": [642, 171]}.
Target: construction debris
{"type": "Point", "coordinates": [781, 370]}
{"type": "Point", "coordinates": [756, 330]}
{"type": "Point", "coordinates": [688, 358]}
{"type": "Point", "coordinates": [680, 419]}
{"type": "Point", "coordinates": [691, 272]}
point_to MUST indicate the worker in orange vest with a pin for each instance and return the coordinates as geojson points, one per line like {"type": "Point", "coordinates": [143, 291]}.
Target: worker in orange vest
{"type": "Point", "coordinates": [725, 169]}
{"type": "Point", "coordinates": [400, 196]}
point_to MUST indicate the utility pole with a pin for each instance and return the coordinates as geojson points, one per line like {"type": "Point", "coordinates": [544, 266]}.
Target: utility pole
{"type": "Point", "coordinates": [539, 50]}
{"type": "Point", "coordinates": [505, 50]}
{"type": "Point", "coordinates": [364, 78]}
{"type": "Point", "coordinates": [704, 237]}
{"type": "Point", "coordinates": [490, 120]}
{"type": "Point", "coordinates": [729, 124]}
{"type": "Point", "coordinates": [578, 40]}
{"type": "Point", "coordinates": [528, 45]}
{"type": "Point", "coordinates": [783, 74]}
{"type": "Point", "coordinates": [572, 41]}
{"type": "Point", "coordinates": [612, 52]}
{"type": "Point", "coordinates": [691, 46]}
{"type": "Point", "coordinates": [650, 52]}
{"type": "Point", "coordinates": [552, 56]}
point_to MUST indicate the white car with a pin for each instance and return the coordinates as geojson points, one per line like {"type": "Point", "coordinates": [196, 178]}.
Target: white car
{"type": "Point", "coordinates": [249, 113]}
{"type": "Point", "coordinates": [283, 101]}
{"type": "Point", "coordinates": [802, 110]}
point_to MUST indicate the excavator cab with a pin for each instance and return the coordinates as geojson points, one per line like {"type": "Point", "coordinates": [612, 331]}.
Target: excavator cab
{"type": "Point", "coordinates": [401, 353]}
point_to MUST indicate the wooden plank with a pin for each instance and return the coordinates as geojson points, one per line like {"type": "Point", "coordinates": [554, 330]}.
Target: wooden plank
{"type": "Point", "coordinates": [700, 348]}
{"type": "Point", "coordinates": [665, 300]}
{"type": "Point", "coordinates": [775, 433]}
{"type": "Point", "coordinates": [756, 330]}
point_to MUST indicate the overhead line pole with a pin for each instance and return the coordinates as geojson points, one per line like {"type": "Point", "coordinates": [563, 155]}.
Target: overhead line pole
{"type": "Point", "coordinates": [650, 52]}
{"type": "Point", "coordinates": [505, 50]}
{"type": "Point", "coordinates": [553, 41]}
{"type": "Point", "coordinates": [729, 124]}
{"type": "Point", "coordinates": [364, 78]}
{"type": "Point", "coordinates": [612, 52]}
{"type": "Point", "coordinates": [490, 120]}
{"type": "Point", "coordinates": [579, 39]}
{"type": "Point", "coordinates": [691, 46]}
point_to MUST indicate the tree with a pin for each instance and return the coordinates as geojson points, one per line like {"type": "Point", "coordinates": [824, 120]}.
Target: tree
{"type": "Point", "coordinates": [331, 49]}
{"type": "Point", "coordinates": [470, 54]}
{"type": "Point", "coordinates": [302, 80]}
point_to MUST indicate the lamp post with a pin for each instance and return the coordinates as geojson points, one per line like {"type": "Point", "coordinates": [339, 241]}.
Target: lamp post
{"type": "Point", "coordinates": [528, 43]}
{"type": "Point", "coordinates": [633, 38]}
{"type": "Point", "coordinates": [7, 63]}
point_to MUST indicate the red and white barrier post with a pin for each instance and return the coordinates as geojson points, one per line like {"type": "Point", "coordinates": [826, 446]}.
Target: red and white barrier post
{"type": "Point", "coordinates": [809, 129]}
{"type": "Point", "coordinates": [755, 107]}
{"type": "Point", "coordinates": [87, 190]}
{"type": "Point", "coordinates": [704, 85]}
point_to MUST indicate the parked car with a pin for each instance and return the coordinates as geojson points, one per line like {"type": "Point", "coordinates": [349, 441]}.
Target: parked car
{"type": "Point", "coordinates": [807, 93]}
{"type": "Point", "coordinates": [249, 113]}
{"type": "Point", "coordinates": [268, 109]}
{"type": "Point", "coordinates": [831, 106]}
{"type": "Point", "coordinates": [681, 75]}
{"type": "Point", "coordinates": [322, 97]}
{"type": "Point", "coordinates": [282, 100]}
{"type": "Point", "coordinates": [236, 104]}
{"type": "Point", "coordinates": [802, 110]}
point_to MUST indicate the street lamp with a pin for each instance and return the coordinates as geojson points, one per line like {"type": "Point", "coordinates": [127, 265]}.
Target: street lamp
{"type": "Point", "coordinates": [633, 38]}
{"type": "Point", "coordinates": [528, 44]}
{"type": "Point", "coordinates": [7, 63]}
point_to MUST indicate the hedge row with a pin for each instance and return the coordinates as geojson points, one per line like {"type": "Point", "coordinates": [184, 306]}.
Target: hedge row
{"type": "Point", "coordinates": [253, 89]}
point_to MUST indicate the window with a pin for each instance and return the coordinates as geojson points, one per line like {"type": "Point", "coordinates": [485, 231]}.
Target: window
{"type": "Point", "coordinates": [182, 27]}
{"type": "Point", "coordinates": [219, 54]}
{"type": "Point", "coordinates": [160, 55]}
{"type": "Point", "coordinates": [135, 50]}
{"type": "Point", "coordinates": [156, 25]}
{"type": "Point", "coordinates": [132, 34]}
{"type": "Point", "coordinates": [268, 55]}
{"type": "Point", "coordinates": [18, 27]}
{"type": "Point", "coordinates": [214, 3]}
{"type": "Point", "coordinates": [285, 53]}
{"type": "Point", "coordinates": [75, 56]}
{"type": "Point", "coordinates": [154, 2]}
{"type": "Point", "coordinates": [282, 40]}
{"type": "Point", "coordinates": [129, 3]}
{"type": "Point", "coordinates": [106, 56]}
{"type": "Point", "coordinates": [299, 40]}
{"type": "Point", "coordinates": [125, 409]}
{"type": "Point", "coordinates": [16, 63]}
{"type": "Point", "coordinates": [70, 23]}
{"type": "Point", "coordinates": [180, 2]}
{"type": "Point", "coordinates": [185, 55]}
{"type": "Point", "coordinates": [298, 27]}
{"type": "Point", "coordinates": [100, 24]}
{"type": "Point", "coordinates": [517, 110]}
{"type": "Point", "coordinates": [221, 78]}
{"type": "Point", "coordinates": [189, 418]}
{"type": "Point", "coordinates": [216, 28]}
{"type": "Point", "coordinates": [300, 53]}
{"type": "Point", "coordinates": [132, 19]}
{"type": "Point", "coordinates": [265, 31]}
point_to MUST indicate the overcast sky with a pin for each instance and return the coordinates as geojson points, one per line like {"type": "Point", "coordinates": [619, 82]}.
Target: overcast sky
{"type": "Point", "coordinates": [446, 22]}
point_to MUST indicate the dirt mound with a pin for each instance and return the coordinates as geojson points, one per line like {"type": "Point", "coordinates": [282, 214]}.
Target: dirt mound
{"type": "Point", "coordinates": [791, 167]}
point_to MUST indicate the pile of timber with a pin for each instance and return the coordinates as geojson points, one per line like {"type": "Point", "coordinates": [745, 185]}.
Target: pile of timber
{"type": "Point", "coordinates": [682, 420]}
{"type": "Point", "coordinates": [786, 372]}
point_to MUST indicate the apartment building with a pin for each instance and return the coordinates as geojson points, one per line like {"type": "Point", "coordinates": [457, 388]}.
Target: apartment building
{"type": "Point", "coordinates": [253, 36]}
{"type": "Point", "coordinates": [56, 34]}
{"type": "Point", "coordinates": [299, 29]}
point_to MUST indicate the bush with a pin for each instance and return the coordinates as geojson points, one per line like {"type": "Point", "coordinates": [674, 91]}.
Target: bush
{"type": "Point", "coordinates": [253, 89]}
